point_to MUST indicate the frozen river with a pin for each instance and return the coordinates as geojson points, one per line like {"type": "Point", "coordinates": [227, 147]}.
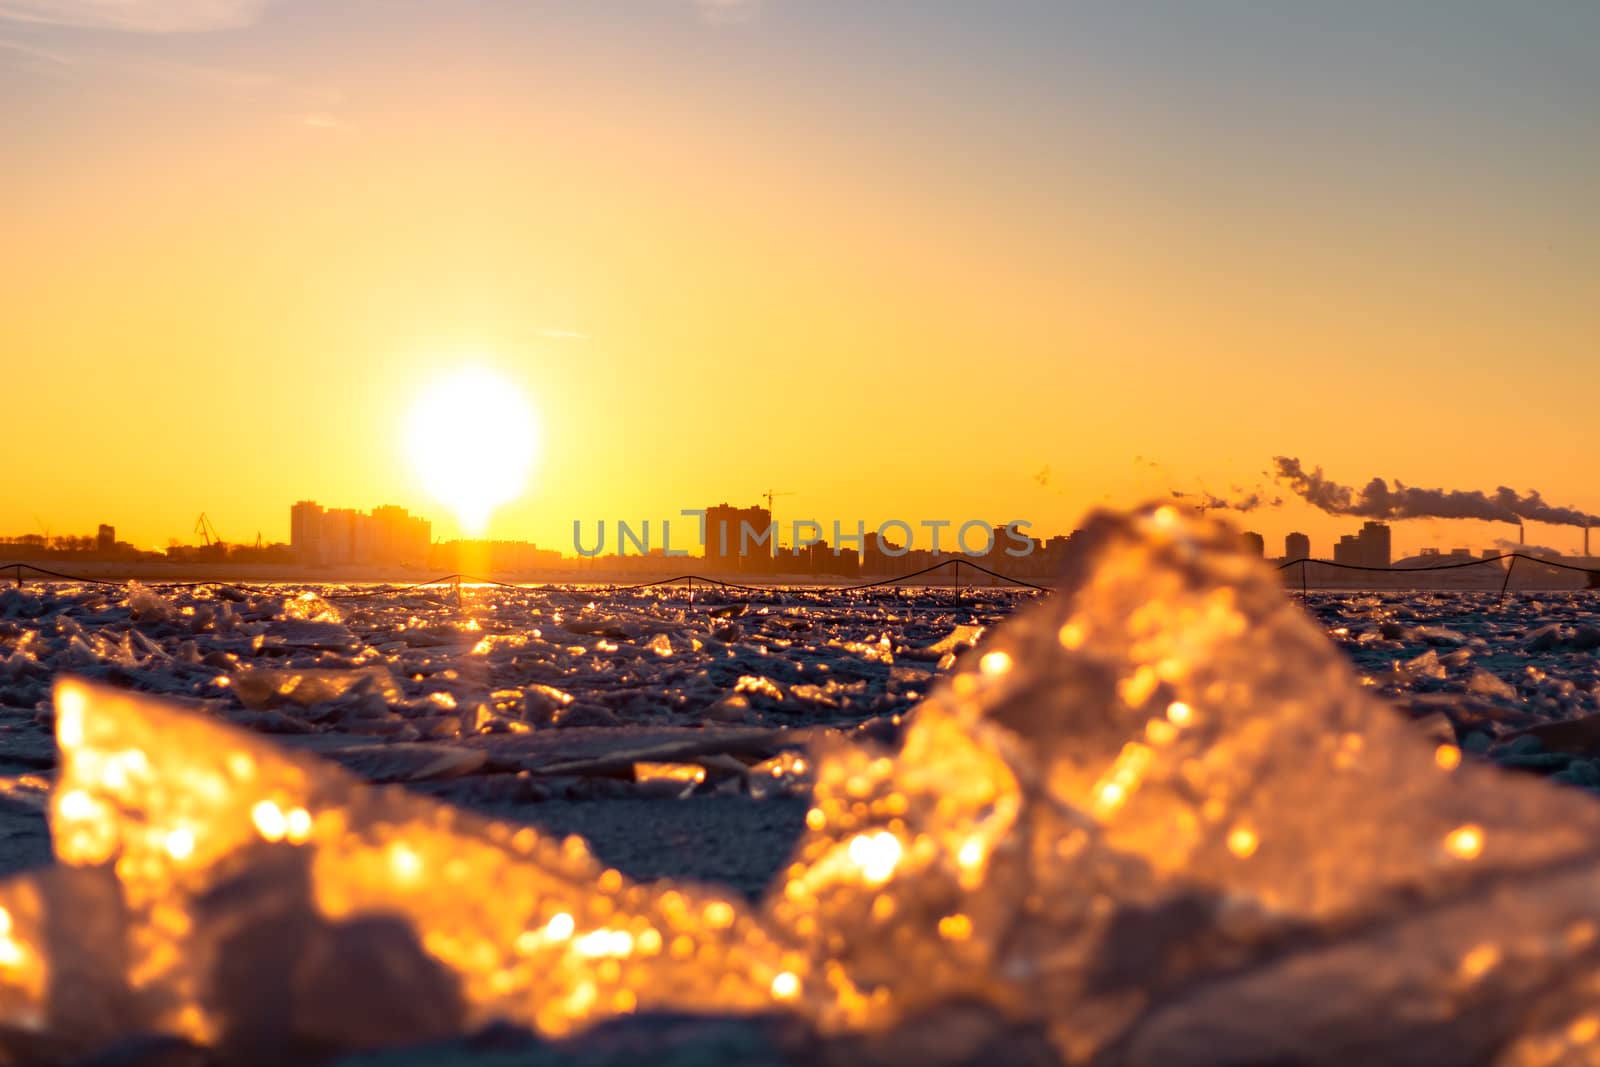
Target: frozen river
{"type": "Point", "coordinates": [758, 740]}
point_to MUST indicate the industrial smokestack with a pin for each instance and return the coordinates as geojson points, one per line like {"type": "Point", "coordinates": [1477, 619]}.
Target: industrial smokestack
{"type": "Point", "coordinates": [1585, 540]}
{"type": "Point", "coordinates": [1522, 534]}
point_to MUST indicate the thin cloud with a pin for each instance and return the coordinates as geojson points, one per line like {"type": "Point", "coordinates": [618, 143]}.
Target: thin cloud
{"type": "Point", "coordinates": [217, 79]}
{"type": "Point", "coordinates": [321, 121]}
{"type": "Point", "coordinates": [30, 52]}
{"type": "Point", "coordinates": [137, 69]}
{"type": "Point", "coordinates": [727, 12]}
{"type": "Point", "coordinates": [137, 16]}
{"type": "Point", "coordinates": [312, 106]}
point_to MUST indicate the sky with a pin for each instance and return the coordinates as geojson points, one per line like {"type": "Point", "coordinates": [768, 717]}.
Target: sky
{"type": "Point", "coordinates": [913, 259]}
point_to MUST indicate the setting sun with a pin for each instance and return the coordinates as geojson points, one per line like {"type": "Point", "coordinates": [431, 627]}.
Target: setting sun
{"type": "Point", "coordinates": [472, 439]}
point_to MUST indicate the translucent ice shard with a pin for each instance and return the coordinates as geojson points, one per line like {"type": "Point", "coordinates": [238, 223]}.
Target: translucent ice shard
{"type": "Point", "coordinates": [253, 895]}
{"type": "Point", "coordinates": [265, 687]}
{"type": "Point", "coordinates": [1160, 814]}
{"type": "Point", "coordinates": [146, 605]}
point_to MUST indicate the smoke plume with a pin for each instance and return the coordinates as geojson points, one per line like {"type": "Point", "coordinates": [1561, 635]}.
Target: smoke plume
{"type": "Point", "coordinates": [1240, 500]}
{"type": "Point", "coordinates": [1376, 500]}
{"type": "Point", "coordinates": [1509, 547]}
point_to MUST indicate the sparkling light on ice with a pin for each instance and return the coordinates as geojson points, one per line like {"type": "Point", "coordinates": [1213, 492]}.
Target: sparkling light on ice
{"type": "Point", "coordinates": [1157, 819]}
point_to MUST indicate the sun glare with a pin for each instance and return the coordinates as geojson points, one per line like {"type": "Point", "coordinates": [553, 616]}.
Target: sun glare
{"type": "Point", "coordinates": [471, 437]}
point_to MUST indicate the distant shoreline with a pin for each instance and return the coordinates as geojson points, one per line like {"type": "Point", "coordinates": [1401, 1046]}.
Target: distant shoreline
{"type": "Point", "coordinates": [245, 573]}
{"type": "Point", "coordinates": [1399, 579]}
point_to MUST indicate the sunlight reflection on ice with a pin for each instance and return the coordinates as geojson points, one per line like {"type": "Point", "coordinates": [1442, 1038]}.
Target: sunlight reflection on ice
{"type": "Point", "coordinates": [1156, 816]}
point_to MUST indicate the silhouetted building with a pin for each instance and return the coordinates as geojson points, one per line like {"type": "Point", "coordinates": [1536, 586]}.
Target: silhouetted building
{"type": "Point", "coordinates": [101, 545]}
{"type": "Point", "coordinates": [732, 538]}
{"type": "Point", "coordinates": [1057, 551]}
{"type": "Point", "coordinates": [1375, 544]}
{"type": "Point", "coordinates": [820, 558]}
{"type": "Point", "coordinates": [344, 535]}
{"type": "Point", "coordinates": [396, 535]}
{"type": "Point", "coordinates": [339, 535]}
{"type": "Point", "coordinates": [1255, 543]}
{"type": "Point", "coordinates": [305, 531]}
{"type": "Point", "coordinates": [1001, 542]}
{"type": "Point", "coordinates": [1296, 546]}
{"type": "Point", "coordinates": [881, 555]}
{"type": "Point", "coordinates": [1370, 547]}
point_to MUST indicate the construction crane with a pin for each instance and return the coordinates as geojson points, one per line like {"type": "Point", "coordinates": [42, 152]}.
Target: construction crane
{"type": "Point", "coordinates": [767, 496]}
{"type": "Point", "coordinates": [207, 530]}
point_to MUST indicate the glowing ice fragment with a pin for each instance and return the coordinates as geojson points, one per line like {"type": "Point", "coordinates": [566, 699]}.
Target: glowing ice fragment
{"type": "Point", "coordinates": [269, 820]}
{"type": "Point", "coordinates": [877, 855]}
{"type": "Point", "coordinates": [1464, 842]}
{"type": "Point", "coordinates": [372, 865]}
{"type": "Point", "coordinates": [994, 663]}
{"type": "Point", "coordinates": [180, 844]}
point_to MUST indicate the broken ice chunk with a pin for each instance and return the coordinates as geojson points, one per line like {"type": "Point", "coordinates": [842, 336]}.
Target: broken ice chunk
{"type": "Point", "coordinates": [1426, 665]}
{"type": "Point", "coordinates": [310, 607]}
{"type": "Point", "coordinates": [266, 687]}
{"type": "Point", "coordinates": [1164, 785]}
{"type": "Point", "coordinates": [146, 605]}
{"type": "Point", "coordinates": [229, 853]}
{"type": "Point", "coordinates": [1486, 684]}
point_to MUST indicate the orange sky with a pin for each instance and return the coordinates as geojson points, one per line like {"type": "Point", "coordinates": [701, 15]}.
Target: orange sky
{"type": "Point", "coordinates": [896, 261]}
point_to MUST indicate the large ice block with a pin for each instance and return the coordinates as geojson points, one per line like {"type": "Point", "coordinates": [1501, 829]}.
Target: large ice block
{"type": "Point", "coordinates": [269, 903]}
{"type": "Point", "coordinates": [1160, 814]}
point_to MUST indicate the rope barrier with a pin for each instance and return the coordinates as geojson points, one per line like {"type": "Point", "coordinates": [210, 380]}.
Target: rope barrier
{"type": "Point", "coordinates": [1513, 556]}
{"type": "Point", "coordinates": [957, 563]}
{"type": "Point", "coordinates": [391, 590]}
{"type": "Point", "coordinates": [688, 578]}
{"type": "Point", "coordinates": [458, 579]}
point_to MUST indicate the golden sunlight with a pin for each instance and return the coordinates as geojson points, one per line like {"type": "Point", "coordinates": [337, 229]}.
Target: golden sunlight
{"type": "Point", "coordinates": [472, 438]}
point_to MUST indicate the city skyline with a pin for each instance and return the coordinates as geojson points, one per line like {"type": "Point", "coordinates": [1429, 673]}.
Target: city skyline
{"type": "Point", "coordinates": [735, 539]}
